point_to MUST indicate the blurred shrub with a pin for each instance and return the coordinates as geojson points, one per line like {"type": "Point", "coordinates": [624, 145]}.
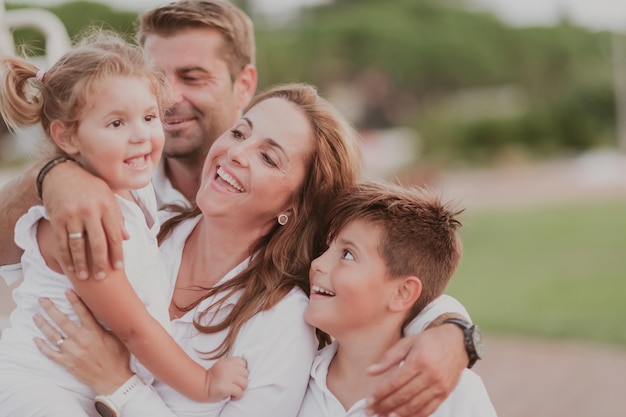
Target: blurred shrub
{"type": "Point", "coordinates": [425, 53]}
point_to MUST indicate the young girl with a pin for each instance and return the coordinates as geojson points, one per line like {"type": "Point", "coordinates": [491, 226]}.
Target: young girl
{"type": "Point", "coordinates": [100, 106]}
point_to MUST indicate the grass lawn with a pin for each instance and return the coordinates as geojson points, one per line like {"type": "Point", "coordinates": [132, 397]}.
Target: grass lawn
{"type": "Point", "coordinates": [557, 271]}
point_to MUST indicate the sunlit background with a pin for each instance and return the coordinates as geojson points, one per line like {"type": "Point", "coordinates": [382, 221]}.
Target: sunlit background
{"type": "Point", "coordinates": [514, 109]}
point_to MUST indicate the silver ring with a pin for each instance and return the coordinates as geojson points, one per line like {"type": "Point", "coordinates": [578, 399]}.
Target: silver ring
{"type": "Point", "coordinates": [78, 235]}
{"type": "Point", "coordinates": [60, 342]}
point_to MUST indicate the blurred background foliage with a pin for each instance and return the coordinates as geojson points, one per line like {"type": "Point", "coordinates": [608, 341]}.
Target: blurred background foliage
{"type": "Point", "coordinates": [475, 89]}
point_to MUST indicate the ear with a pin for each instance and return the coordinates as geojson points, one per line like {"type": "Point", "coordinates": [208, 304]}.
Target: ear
{"type": "Point", "coordinates": [406, 293]}
{"type": "Point", "coordinates": [245, 85]}
{"type": "Point", "coordinates": [64, 137]}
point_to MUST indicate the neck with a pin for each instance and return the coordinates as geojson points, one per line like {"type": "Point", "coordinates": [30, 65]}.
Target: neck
{"type": "Point", "coordinates": [348, 378]}
{"type": "Point", "coordinates": [184, 174]}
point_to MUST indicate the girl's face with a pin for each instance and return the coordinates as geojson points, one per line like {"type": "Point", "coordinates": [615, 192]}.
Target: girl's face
{"type": "Point", "coordinates": [119, 136]}
{"type": "Point", "coordinates": [253, 170]}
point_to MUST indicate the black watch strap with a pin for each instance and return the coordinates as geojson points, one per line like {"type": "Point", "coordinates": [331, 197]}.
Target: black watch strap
{"type": "Point", "coordinates": [472, 337]}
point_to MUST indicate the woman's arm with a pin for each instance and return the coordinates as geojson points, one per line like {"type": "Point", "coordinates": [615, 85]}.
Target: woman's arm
{"type": "Point", "coordinates": [114, 301]}
{"type": "Point", "coordinates": [434, 357]}
{"type": "Point", "coordinates": [95, 356]}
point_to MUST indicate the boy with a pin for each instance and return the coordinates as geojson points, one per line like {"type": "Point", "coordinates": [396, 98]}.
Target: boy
{"type": "Point", "coordinates": [391, 251]}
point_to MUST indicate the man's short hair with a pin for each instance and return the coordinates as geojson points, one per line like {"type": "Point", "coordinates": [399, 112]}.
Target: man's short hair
{"type": "Point", "coordinates": [235, 26]}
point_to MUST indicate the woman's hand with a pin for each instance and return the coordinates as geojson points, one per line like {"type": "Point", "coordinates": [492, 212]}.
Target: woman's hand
{"type": "Point", "coordinates": [84, 206]}
{"type": "Point", "coordinates": [433, 362]}
{"type": "Point", "coordinates": [93, 355]}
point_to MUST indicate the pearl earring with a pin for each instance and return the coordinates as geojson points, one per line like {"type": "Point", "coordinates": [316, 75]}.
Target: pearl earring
{"type": "Point", "coordinates": [283, 219]}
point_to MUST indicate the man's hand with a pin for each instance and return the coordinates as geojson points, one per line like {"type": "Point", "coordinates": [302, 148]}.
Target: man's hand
{"type": "Point", "coordinates": [80, 203]}
{"type": "Point", "coordinates": [431, 365]}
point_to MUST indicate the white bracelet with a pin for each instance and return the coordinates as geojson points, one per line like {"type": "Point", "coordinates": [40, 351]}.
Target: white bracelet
{"type": "Point", "coordinates": [111, 405]}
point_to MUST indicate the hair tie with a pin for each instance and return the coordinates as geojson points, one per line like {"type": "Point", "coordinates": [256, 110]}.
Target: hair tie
{"type": "Point", "coordinates": [40, 74]}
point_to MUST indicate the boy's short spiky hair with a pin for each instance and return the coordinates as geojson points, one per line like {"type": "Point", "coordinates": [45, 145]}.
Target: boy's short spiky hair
{"type": "Point", "coordinates": [418, 232]}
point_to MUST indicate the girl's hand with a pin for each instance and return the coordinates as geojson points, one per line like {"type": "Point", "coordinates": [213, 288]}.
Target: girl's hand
{"type": "Point", "coordinates": [227, 377]}
{"type": "Point", "coordinates": [93, 355]}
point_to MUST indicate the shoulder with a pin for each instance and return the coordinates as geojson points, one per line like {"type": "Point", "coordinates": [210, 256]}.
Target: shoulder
{"type": "Point", "coordinates": [468, 398]}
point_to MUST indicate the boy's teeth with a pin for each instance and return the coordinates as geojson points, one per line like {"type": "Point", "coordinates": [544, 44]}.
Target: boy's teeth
{"type": "Point", "coordinates": [321, 290]}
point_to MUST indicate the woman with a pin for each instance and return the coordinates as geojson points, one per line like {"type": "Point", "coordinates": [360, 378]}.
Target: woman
{"type": "Point", "coordinates": [239, 261]}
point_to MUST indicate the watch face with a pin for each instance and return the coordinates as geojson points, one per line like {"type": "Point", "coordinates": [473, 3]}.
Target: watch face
{"type": "Point", "coordinates": [104, 410]}
{"type": "Point", "coordinates": [479, 345]}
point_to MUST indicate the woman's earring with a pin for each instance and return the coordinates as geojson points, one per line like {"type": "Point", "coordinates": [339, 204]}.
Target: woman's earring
{"type": "Point", "coordinates": [283, 219]}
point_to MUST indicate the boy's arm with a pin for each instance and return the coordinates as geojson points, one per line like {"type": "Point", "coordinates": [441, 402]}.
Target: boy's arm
{"type": "Point", "coordinates": [16, 197]}
{"type": "Point", "coordinates": [433, 357]}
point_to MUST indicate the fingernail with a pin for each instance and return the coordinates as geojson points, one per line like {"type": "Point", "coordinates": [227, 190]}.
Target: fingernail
{"type": "Point", "coordinates": [101, 275]}
{"type": "Point", "coordinates": [83, 275]}
{"type": "Point", "coordinates": [42, 300]}
{"type": "Point", "coordinates": [373, 368]}
{"type": "Point", "coordinates": [37, 318]}
{"type": "Point", "coordinates": [119, 265]}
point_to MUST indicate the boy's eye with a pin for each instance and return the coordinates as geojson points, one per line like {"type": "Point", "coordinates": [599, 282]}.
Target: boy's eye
{"type": "Point", "coordinates": [150, 117]}
{"type": "Point", "coordinates": [347, 255]}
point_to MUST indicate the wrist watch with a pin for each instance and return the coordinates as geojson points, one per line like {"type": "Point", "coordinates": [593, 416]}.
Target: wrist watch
{"type": "Point", "coordinates": [111, 405]}
{"type": "Point", "coordinates": [473, 338]}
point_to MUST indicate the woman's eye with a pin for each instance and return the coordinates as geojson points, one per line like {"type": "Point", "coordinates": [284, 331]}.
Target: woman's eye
{"type": "Point", "coordinates": [348, 255]}
{"type": "Point", "coordinates": [268, 160]}
{"type": "Point", "coordinates": [237, 134]}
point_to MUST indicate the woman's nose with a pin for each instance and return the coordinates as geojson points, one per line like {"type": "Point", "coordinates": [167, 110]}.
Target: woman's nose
{"type": "Point", "coordinates": [239, 153]}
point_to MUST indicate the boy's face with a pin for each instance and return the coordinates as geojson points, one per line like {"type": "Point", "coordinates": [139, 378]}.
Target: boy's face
{"type": "Point", "coordinates": [350, 287]}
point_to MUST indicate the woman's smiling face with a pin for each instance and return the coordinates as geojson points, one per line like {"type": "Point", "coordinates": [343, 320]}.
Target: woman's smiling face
{"type": "Point", "coordinates": [253, 170]}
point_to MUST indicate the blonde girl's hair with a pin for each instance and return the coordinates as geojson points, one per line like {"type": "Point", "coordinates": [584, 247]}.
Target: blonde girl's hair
{"type": "Point", "coordinates": [282, 258]}
{"type": "Point", "coordinates": [64, 89]}
{"type": "Point", "coordinates": [236, 28]}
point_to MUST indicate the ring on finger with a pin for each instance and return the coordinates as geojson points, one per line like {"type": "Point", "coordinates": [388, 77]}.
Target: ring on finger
{"type": "Point", "coordinates": [60, 341]}
{"type": "Point", "coordinates": [78, 235]}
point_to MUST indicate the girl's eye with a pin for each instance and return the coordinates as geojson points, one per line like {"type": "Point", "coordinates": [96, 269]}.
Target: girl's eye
{"type": "Point", "coordinates": [116, 123]}
{"type": "Point", "coordinates": [150, 117]}
{"type": "Point", "coordinates": [347, 255]}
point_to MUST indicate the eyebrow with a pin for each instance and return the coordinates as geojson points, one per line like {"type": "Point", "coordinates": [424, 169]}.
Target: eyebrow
{"type": "Point", "coordinates": [269, 140]}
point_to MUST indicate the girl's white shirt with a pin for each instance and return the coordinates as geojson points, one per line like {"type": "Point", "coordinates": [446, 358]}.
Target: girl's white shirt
{"type": "Point", "coordinates": [278, 345]}
{"type": "Point", "coordinates": [144, 269]}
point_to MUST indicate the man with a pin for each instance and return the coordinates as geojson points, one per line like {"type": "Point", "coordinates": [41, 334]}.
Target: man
{"type": "Point", "coordinates": [206, 50]}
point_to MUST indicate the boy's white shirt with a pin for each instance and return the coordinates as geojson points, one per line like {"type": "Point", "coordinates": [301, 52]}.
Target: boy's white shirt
{"type": "Point", "coordinates": [468, 399]}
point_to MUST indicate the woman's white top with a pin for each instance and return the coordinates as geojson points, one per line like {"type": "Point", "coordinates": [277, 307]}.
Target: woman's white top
{"type": "Point", "coordinates": [278, 345]}
{"type": "Point", "coordinates": [144, 269]}
{"type": "Point", "coordinates": [468, 399]}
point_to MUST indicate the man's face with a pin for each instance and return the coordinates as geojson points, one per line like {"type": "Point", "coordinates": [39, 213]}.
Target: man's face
{"type": "Point", "coordinates": [205, 101]}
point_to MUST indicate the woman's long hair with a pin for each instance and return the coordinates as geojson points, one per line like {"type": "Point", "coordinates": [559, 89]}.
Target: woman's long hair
{"type": "Point", "coordinates": [283, 256]}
